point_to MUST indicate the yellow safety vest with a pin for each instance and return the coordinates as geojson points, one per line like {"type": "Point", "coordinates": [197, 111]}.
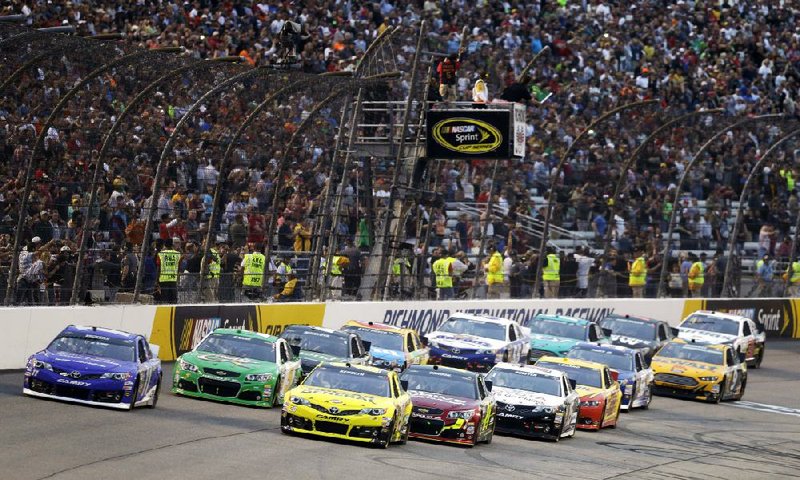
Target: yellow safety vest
{"type": "Point", "coordinates": [441, 268]}
{"type": "Point", "coordinates": [787, 175]}
{"type": "Point", "coordinates": [253, 269]}
{"type": "Point", "coordinates": [214, 266]}
{"type": "Point", "coordinates": [700, 278]}
{"type": "Point", "coordinates": [496, 277]}
{"type": "Point", "coordinates": [552, 271]}
{"type": "Point", "coordinates": [397, 265]}
{"type": "Point", "coordinates": [638, 275]}
{"type": "Point", "coordinates": [169, 260]}
{"type": "Point", "coordinates": [795, 269]}
{"type": "Point", "coordinates": [335, 268]}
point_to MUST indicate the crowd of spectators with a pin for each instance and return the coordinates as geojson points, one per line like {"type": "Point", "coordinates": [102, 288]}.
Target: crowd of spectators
{"type": "Point", "coordinates": [739, 56]}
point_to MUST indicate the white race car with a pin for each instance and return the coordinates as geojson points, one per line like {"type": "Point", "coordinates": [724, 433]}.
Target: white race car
{"type": "Point", "coordinates": [477, 343]}
{"type": "Point", "coordinates": [534, 401]}
{"type": "Point", "coordinates": [743, 334]}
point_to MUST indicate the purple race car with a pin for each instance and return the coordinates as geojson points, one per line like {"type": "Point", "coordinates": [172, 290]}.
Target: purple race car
{"type": "Point", "coordinates": [96, 366]}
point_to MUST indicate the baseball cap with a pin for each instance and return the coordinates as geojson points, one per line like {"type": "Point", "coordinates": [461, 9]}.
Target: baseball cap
{"type": "Point", "coordinates": [36, 239]}
{"type": "Point", "coordinates": [65, 248]}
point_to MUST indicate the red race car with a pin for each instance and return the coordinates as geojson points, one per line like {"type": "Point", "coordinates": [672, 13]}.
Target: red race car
{"type": "Point", "coordinates": [598, 387]}
{"type": "Point", "coordinates": [449, 405]}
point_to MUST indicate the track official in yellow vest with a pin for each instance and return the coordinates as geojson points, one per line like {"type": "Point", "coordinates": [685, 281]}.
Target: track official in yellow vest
{"type": "Point", "coordinates": [792, 276]}
{"type": "Point", "coordinates": [443, 270]}
{"type": "Point", "coordinates": [697, 274]}
{"type": "Point", "coordinates": [551, 274]}
{"type": "Point", "coordinates": [253, 265]}
{"type": "Point", "coordinates": [213, 271]}
{"type": "Point", "coordinates": [637, 275]}
{"type": "Point", "coordinates": [168, 264]}
{"type": "Point", "coordinates": [495, 278]}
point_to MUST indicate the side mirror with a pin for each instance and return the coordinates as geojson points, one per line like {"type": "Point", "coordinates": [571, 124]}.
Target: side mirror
{"type": "Point", "coordinates": [295, 350]}
{"type": "Point", "coordinates": [572, 383]}
{"type": "Point", "coordinates": [607, 332]}
{"type": "Point", "coordinates": [675, 331]}
{"type": "Point", "coordinates": [404, 384]}
{"type": "Point", "coordinates": [154, 350]}
{"type": "Point", "coordinates": [488, 384]}
{"type": "Point", "coordinates": [614, 375]}
{"type": "Point", "coordinates": [366, 345]}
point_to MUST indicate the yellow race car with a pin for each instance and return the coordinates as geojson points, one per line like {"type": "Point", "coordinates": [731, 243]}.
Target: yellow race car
{"type": "Point", "coordinates": [597, 386]}
{"type": "Point", "coordinates": [704, 372]}
{"type": "Point", "coordinates": [351, 402]}
{"type": "Point", "coordinates": [391, 347]}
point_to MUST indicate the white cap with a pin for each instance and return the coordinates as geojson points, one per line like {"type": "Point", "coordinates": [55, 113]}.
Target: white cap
{"type": "Point", "coordinates": [65, 248]}
{"type": "Point", "coordinates": [36, 239]}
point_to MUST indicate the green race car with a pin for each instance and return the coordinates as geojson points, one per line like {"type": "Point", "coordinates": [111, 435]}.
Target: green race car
{"type": "Point", "coordinates": [237, 366]}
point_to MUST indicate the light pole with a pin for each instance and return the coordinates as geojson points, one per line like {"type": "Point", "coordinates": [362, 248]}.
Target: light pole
{"type": "Point", "coordinates": [695, 159]}
{"type": "Point", "coordinates": [740, 209]}
{"type": "Point", "coordinates": [39, 146]}
{"type": "Point", "coordinates": [110, 136]}
{"type": "Point", "coordinates": [554, 181]}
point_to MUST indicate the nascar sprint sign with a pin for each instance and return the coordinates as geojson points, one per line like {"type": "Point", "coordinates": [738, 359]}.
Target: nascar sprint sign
{"type": "Point", "coordinates": [473, 133]}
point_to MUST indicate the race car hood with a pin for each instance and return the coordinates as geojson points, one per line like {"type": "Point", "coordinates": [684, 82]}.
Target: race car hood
{"type": "Point", "coordinates": [441, 401]}
{"type": "Point", "coordinates": [341, 399]}
{"type": "Point", "coordinates": [388, 355]}
{"type": "Point", "coordinates": [464, 341]}
{"type": "Point", "coordinates": [553, 344]}
{"type": "Point", "coordinates": [589, 393]}
{"type": "Point", "coordinates": [85, 364]}
{"type": "Point", "coordinates": [208, 362]}
{"type": "Point", "coordinates": [632, 342]}
{"type": "Point", "coordinates": [702, 336]}
{"type": "Point", "coordinates": [684, 367]}
{"type": "Point", "coordinates": [515, 396]}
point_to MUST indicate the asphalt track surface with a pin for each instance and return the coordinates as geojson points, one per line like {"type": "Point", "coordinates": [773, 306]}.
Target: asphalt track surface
{"type": "Point", "coordinates": [188, 438]}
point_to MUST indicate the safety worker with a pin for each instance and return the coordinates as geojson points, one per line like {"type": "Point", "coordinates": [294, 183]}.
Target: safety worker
{"type": "Point", "coordinates": [697, 273]}
{"type": "Point", "coordinates": [168, 261]}
{"type": "Point", "coordinates": [637, 277]}
{"type": "Point", "coordinates": [495, 278]}
{"type": "Point", "coordinates": [401, 273]}
{"type": "Point", "coordinates": [787, 175]}
{"type": "Point", "coordinates": [213, 272]}
{"type": "Point", "coordinates": [443, 270]}
{"type": "Point", "coordinates": [338, 261]}
{"type": "Point", "coordinates": [253, 265]}
{"type": "Point", "coordinates": [291, 289]}
{"type": "Point", "coordinates": [551, 274]}
{"type": "Point", "coordinates": [792, 276]}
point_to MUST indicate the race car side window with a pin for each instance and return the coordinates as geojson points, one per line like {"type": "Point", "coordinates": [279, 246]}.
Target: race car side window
{"type": "Point", "coordinates": [512, 334]}
{"type": "Point", "coordinates": [410, 342]}
{"type": "Point", "coordinates": [565, 386]}
{"type": "Point", "coordinates": [746, 329]}
{"type": "Point", "coordinates": [662, 332]}
{"type": "Point", "coordinates": [593, 333]}
{"type": "Point", "coordinates": [417, 343]}
{"type": "Point", "coordinates": [356, 351]}
{"type": "Point", "coordinates": [284, 353]}
{"type": "Point", "coordinates": [481, 388]}
{"type": "Point", "coordinates": [639, 365]}
{"type": "Point", "coordinates": [607, 377]}
{"type": "Point", "coordinates": [143, 357]}
{"type": "Point", "coordinates": [729, 357]}
{"type": "Point", "coordinates": [395, 390]}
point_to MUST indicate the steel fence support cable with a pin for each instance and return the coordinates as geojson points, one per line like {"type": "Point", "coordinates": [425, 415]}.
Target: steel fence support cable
{"type": "Point", "coordinates": [743, 197]}
{"type": "Point", "coordinates": [39, 146]}
{"type": "Point", "coordinates": [695, 159]}
{"type": "Point", "coordinates": [557, 174]}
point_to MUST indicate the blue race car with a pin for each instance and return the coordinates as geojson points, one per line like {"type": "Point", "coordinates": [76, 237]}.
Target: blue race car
{"type": "Point", "coordinates": [635, 377]}
{"type": "Point", "coordinates": [96, 366]}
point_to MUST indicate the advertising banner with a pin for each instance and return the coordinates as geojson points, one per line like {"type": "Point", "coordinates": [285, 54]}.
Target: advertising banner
{"type": "Point", "coordinates": [179, 329]}
{"type": "Point", "coordinates": [460, 134]}
{"type": "Point", "coordinates": [778, 315]}
{"type": "Point", "coordinates": [520, 128]}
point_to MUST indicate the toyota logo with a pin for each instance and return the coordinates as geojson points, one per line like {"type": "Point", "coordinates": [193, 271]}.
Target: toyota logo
{"type": "Point", "coordinates": [510, 408]}
{"type": "Point", "coordinates": [456, 350]}
{"type": "Point", "coordinates": [333, 410]}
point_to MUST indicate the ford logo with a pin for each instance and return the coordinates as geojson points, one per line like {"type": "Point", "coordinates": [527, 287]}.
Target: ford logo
{"type": "Point", "coordinates": [333, 410]}
{"type": "Point", "coordinates": [510, 408]}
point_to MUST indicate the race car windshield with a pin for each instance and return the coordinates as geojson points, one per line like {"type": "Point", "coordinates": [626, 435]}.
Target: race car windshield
{"type": "Point", "coordinates": [521, 380]}
{"type": "Point", "coordinates": [378, 338]}
{"type": "Point", "coordinates": [335, 345]}
{"type": "Point", "coordinates": [708, 323]}
{"type": "Point", "coordinates": [616, 360]}
{"type": "Point", "coordinates": [691, 353]}
{"type": "Point", "coordinates": [630, 328]}
{"type": "Point", "coordinates": [581, 375]}
{"type": "Point", "coordinates": [477, 328]}
{"type": "Point", "coordinates": [352, 380]}
{"type": "Point", "coordinates": [115, 349]}
{"type": "Point", "coordinates": [555, 328]}
{"type": "Point", "coordinates": [443, 383]}
{"type": "Point", "coordinates": [236, 346]}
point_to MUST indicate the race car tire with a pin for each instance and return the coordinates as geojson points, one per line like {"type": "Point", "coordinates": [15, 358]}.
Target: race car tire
{"type": "Point", "coordinates": [488, 439]}
{"type": "Point", "coordinates": [722, 387]}
{"type": "Point", "coordinates": [384, 442]}
{"type": "Point", "coordinates": [154, 400]}
{"type": "Point", "coordinates": [404, 435]}
{"type": "Point", "coordinates": [759, 358]}
{"type": "Point", "coordinates": [505, 356]}
{"type": "Point", "coordinates": [630, 402]}
{"type": "Point", "coordinates": [646, 406]}
{"type": "Point", "coordinates": [616, 418]}
{"type": "Point", "coordinates": [276, 394]}
{"type": "Point", "coordinates": [477, 436]}
{"type": "Point", "coordinates": [134, 394]}
{"type": "Point", "coordinates": [741, 390]}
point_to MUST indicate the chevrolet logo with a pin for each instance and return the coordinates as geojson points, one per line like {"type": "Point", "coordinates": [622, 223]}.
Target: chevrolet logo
{"type": "Point", "coordinates": [221, 373]}
{"type": "Point", "coordinates": [423, 410]}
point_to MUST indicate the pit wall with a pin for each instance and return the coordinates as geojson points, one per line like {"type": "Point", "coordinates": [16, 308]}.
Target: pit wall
{"type": "Point", "coordinates": [177, 329]}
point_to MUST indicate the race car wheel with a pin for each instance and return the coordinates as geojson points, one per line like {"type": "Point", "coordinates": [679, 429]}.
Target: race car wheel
{"type": "Point", "coordinates": [384, 442]}
{"type": "Point", "coordinates": [276, 394]}
{"type": "Point", "coordinates": [488, 439]}
{"type": "Point", "coordinates": [134, 394]}
{"type": "Point", "coordinates": [630, 402]}
{"type": "Point", "coordinates": [477, 436]}
{"type": "Point", "coordinates": [154, 400]}
{"type": "Point", "coordinates": [759, 358]}
{"type": "Point", "coordinates": [649, 398]}
{"type": "Point", "coordinates": [741, 390]}
{"type": "Point", "coordinates": [616, 417]}
{"type": "Point", "coordinates": [404, 434]}
{"type": "Point", "coordinates": [722, 387]}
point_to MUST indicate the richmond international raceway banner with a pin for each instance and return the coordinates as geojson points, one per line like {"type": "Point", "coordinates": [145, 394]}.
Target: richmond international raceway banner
{"type": "Point", "coordinates": [179, 329]}
{"type": "Point", "coordinates": [778, 315]}
{"type": "Point", "coordinates": [426, 316]}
